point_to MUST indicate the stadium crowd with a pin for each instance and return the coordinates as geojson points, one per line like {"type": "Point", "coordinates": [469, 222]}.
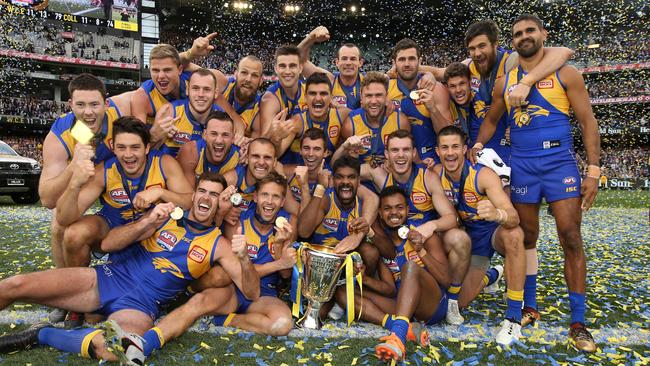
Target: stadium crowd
{"type": "Point", "coordinates": [27, 146]}
{"type": "Point", "coordinates": [612, 87]}
{"type": "Point", "coordinates": [32, 107]}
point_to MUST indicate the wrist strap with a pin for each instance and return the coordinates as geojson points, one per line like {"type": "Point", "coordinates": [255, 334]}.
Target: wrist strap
{"type": "Point", "coordinates": [478, 145]}
{"type": "Point", "coordinates": [319, 191]}
{"type": "Point", "coordinates": [593, 171]}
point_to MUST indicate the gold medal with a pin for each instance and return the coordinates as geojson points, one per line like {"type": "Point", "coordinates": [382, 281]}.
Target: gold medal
{"type": "Point", "coordinates": [177, 214]}
{"type": "Point", "coordinates": [236, 199]}
{"type": "Point", "coordinates": [524, 118]}
{"type": "Point", "coordinates": [280, 222]}
{"type": "Point", "coordinates": [414, 95]}
{"type": "Point", "coordinates": [403, 232]}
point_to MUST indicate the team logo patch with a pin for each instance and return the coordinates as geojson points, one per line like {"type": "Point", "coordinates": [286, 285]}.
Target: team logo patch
{"type": "Point", "coordinates": [396, 102]}
{"type": "Point", "coordinates": [470, 197]}
{"type": "Point", "coordinates": [569, 180]}
{"type": "Point", "coordinates": [418, 197]}
{"type": "Point", "coordinates": [415, 121]}
{"type": "Point", "coordinates": [119, 195]}
{"type": "Point", "coordinates": [333, 131]}
{"type": "Point", "coordinates": [164, 265]}
{"type": "Point", "coordinates": [545, 84]}
{"type": "Point", "coordinates": [331, 224]}
{"type": "Point", "coordinates": [366, 142]}
{"type": "Point", "coordinates": [413, 256]}
{"type": "Point", "coordinates": [197, 254]}
{"type": "Point", "coordinates": [252, 251]}
{"type": "Point", "coordinates": [340, 99]}
{"type": "Point", "coordinates": [166, 240]}
{"type": "Point", "coordinates": [182, 137]}
{"type": "Point", "coordinates": [296, 192]}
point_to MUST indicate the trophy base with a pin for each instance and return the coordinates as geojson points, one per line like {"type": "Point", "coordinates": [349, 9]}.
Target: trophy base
{"type": "Point", "coordinates": [311, 319]}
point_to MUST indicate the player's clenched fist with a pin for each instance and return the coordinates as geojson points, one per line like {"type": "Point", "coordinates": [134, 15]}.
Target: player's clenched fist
{"type": "Point", "coordinates": [84, 170]}
{"type": "Point", "coordinates": [487, 211]}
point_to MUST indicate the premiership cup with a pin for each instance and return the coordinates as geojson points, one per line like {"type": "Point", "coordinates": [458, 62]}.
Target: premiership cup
{"type": "Point", "coordinates": [322, 269]}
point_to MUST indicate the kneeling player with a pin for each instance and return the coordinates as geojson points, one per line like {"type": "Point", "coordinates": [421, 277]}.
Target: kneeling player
{"type": "Point", "coordinates": [417, 274]}
{"type": "Point", "coordinates": [492, 223]}
{"type": "Point", "coordinates": [152, 260]}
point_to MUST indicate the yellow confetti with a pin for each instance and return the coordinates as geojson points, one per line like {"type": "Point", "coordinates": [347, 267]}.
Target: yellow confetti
{"type": "Point", "coordinates": [205, 345]}
{"type": "Point", "coordinates": [258, 347]}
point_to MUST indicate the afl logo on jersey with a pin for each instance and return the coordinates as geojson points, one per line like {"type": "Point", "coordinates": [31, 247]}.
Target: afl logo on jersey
{"type": "Point", "coordinates": [119, 195]}
{"type": "Point", "coordinates": [470, 197]}
{"type": "Point", "coordinates": [296, 192]}
{"type": "Point", "coordinates": [418, 197]}
{"type": "Point", "coordinates": [366, 142]}
{"type": "Point", "coordinates": [166, 240]}
{"type": "Point", "coordinates": [333, 131]}
{"type": "Point", "coordinates": [252, 251]}
{"type": "Point", "coordinates": [182, 137]}
{"type": "Point", "coordinates": [397, 103]}
{"type": "Point", "coordinates": [331, 224]}
{"type": "Point", "coordinates": [197, 254]}
{"type": "Point", "coordinates": [340, 100]}
{"type": "Point", "coordinates": [475, 84]}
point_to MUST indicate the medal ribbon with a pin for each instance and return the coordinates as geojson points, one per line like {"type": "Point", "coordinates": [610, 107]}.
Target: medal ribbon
{"type": "Point", "coordinates": [141, 183]}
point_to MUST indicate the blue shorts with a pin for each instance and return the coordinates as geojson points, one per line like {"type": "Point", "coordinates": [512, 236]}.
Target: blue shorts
{"type": "Point", "coordinates": [555, 177]}
{"type": "Point", "coordinates": [119, 291]}
{"type": "Point", "coordinates": [243, 305]}
{"type": "Point", "coordinates": [441, 311]}
{"type": "Point", "coordinates": [112, 222]}
{"type": "Point", "coordinates": [482, 239]}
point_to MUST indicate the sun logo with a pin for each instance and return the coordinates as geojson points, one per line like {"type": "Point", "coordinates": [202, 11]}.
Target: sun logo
{"type": "Point", "coordinates": [480, 108]}
{"type": "Point", "coordinates": [165, 265]}
{"type": "Point", "coordinates": [531, 111]}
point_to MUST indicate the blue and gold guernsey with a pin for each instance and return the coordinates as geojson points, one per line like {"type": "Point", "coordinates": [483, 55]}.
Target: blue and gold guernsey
{"type": "Point", "coordinates": [246, 190]}
{"type": "Point", "coordinates": [294, 105]}
{"type": "Point", "coordinates": [261, 251]}
{"type": "Point", "coordinates": [372, 150]}
{"type": "Point", "coordinates": [421, 208]}
{"type": "Point", "coordinates": [188, 128]}
{"type": "Point", "coordinates": [248, 111]}
{"type": "Point", "coordinates": [482, 99]}
{"type": "Point", "coordinates": [347, 96]}
{"type": "Point", "coordinates": [116, 199]}
{"type": "Point", "coordinates": [63, 125]}
{"type": "Point", "coordinates": [296, 189]}
{"type": "Point", "coordinates": [157, 99]}
{"type": "Point", "coordinates": [150, 273]}
{"type": "Point", "coordinates": [331, 126]}
{"type": "Point", "coordinates": [404, 252]}
{"type": "Point", "coordinates": [334, 226]}
{"type": "Point", "coordinates": [465, 199]}
{"type": "Point", "coordinates": [203, 165]}
{"type": "Point", "coordinates": [460, 115]}
{"type": "Point", "coordinates": [419, 118]}
{"type": "Point", "coordinates": [543, 125]}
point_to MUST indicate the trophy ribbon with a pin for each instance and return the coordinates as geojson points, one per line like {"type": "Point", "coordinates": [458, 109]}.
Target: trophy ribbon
{"type": "Point", "coordinates": [296, 282]}
{"type": "Point", "coordinates": [349, 286]}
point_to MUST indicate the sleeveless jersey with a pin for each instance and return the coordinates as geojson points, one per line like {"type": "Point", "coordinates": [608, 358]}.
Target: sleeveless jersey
{"type": "Point", "coordinates": [229, 162]}
{"type": "Point", "coordinates": [244, 188]}
{"type": "Point", "coordinates": [373, 147]}
{"type": "Point", "coordinates": [293, 105]}
{"type": "Point", "coordinates": [157, 99]}
{"type": "Point", "coordinates": [296, 189]}
{"type": "Point", "coordinates": [61, 128]}
{"type": "Point", "coordinates": [545, 125]}
{"type": "Point", "coordinates": [465, 199]}
{"type": "Point", "coordinates": [481, 100]}
{"type": "Point", "coordinates": [115, 201]}
{"type": "Point", "coordinates": [331, 126]}
{"type": "Point", "coordinates": [189, 129]}
{"type": "Point", "coordinates": [347, 96]}
{"type": "Point", "coordinates": [419, 118]}
{"type": "Point", "coordinates": [165, 263]}
{"type": "Point", "coordinates": [421, 208]}
{"type": "Point", "coordinates": [460, 115]}
{"type": "Point", "coordinates": [334, 226]}
{"type": "Point", "coordinates": [403, 253]}
{"type": "Point", "coordinates": [260, 251]}
{"type": "Point", "coordinates": [248, 111]}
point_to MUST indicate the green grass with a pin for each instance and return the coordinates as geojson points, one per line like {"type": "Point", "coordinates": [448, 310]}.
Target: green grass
{"type": "Point", "coordinates": [624, 199]}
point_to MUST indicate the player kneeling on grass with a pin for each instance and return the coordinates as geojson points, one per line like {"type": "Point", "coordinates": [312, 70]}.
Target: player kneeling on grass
{"type": "Point", "coordinates": [152, 259]}
{"type": "Point", "coordinates": [269, 249]}
{"type": "Point", "coordinates": [490, 220]}
{"type": "Point", "coordinates": [409, 286]}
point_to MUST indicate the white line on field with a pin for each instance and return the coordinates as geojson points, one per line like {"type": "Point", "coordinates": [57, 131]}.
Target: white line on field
{"type": "Point", "coordinates": [467, 333]}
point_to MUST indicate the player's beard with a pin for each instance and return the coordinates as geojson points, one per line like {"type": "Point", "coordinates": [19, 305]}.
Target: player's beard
{"type": "Point", "coordinates": [531, 50]}
{"type": "Point", "coordinates": [244, 97]}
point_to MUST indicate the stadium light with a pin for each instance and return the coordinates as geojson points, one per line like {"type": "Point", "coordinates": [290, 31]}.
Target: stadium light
{"type": "Point", "coordinates": [290, 8]}
{"type": "Point", "coordinates": [353, 8]}
{"type": "Point", "coordinates": [225, 5]}
{"type": "Point", "coordinates": [593, 45]}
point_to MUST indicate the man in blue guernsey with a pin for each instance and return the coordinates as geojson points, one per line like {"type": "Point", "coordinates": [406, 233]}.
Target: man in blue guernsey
{"type": "Point", "coordinates": [544, 165]}
{"type": "Point", "coordinates": [152, 260]}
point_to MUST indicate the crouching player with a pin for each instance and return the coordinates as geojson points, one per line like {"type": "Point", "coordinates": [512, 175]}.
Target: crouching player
{"type": "Point", "coordinates": [269, 249]}
{"type": "Point", "coordinates": [412, 285]}
{"type": "Point", "coordinates": [491, 222]}
{"type": "Point", "coordinates": [152, 260]}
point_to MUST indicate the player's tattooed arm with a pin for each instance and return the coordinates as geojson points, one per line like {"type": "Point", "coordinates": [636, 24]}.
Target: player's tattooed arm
{"type": "Point", "coordinates": [120, 237]}
{"type": "Point", "coordinates": [85, 186]}
{"type": "Point", "coordinates": [489, 125]}
{"type": "Point", "coordinates": [235, 261]}
{"type": "Point", "coordinates": [447, 219]}
{"type": "Point", "coordinates": [314, 213]}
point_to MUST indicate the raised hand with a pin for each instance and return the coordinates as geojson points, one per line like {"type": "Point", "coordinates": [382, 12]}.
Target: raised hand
{"type": "Point", "coordinates": [238, 244]}
{"type": "Point", "coordinates": [201, 46]}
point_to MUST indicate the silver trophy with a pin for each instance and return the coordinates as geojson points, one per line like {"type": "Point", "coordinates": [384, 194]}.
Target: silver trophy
{"type": "Point", "coordinates": [322, 269]}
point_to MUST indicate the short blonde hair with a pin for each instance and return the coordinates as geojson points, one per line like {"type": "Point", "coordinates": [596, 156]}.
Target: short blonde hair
{"type": "Point", "coordinates": [165, 50]}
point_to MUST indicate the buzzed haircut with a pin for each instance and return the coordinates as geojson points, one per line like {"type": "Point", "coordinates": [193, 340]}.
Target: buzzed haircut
{"type": "Point", "coordinates": [263, 141]}
{"type": "Point", "coordinates": [130, 124]}
{"type": "Point", "coordinates": [317, 78]}
{"type": "Point", "coordinates": [405, 44]}
{"type": "Point", "coordinates": [347, 161]}
{"type": "Point", "coordinates": [287, 50]}
{"type": "Point", "coordinates": [400, 134]}
{"type": "Point", "coordinates": [375, 77]}
{"type": "Point", "coordinates": [485, 27]}
{"type": "Point", "coordinates": [314, 133]}
{"type": "Point", "coordinates": [212, 177]}
{"type": "Point", "coordinates": [273, 177]}
{"type": "Point", "coordinates": [392, 190]}
{"type": "Point", "coordinates": [532, 17]}
{"type": "Point", "coordinates": [219, 116]}
{"type": "Point", "coordinates": [457, 69]}
{"type": "Point", "coordinates": [87, 82]}
{"type": "Point", "coordinates": [252, 58]}
{"type": "Point", "coordinates": [165, 50]}
{"type": "Point", "coordinates": [348, 45]}
{"type": "Point", "coordinates": [204, 72]}
{"type": "Point", "coordinates": [451, 131]}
